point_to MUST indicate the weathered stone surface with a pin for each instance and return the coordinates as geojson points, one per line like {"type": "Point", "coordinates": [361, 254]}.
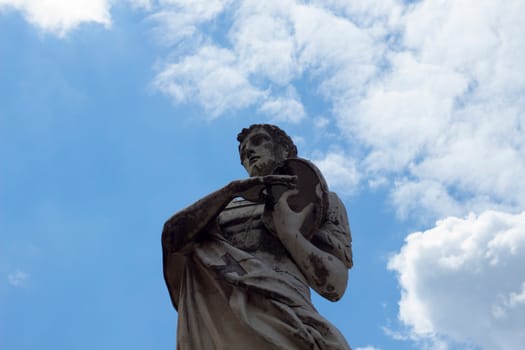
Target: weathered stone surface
{"type": "Point", "coordinates": [239, 263]}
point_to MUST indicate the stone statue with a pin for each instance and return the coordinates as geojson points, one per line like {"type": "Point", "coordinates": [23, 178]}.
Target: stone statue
{"type": "Point", "coordinates": [239, 263]}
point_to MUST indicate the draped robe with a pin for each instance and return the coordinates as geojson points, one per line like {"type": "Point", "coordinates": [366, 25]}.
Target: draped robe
{"type": "Point", "coordinates": [236, 287]}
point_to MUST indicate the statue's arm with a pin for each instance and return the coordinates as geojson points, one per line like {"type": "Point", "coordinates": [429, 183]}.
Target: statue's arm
{"type": "Point", "coordinates": [181, 229]}
{"type": "Point", "coordinates": [325, 265]}
{"type": "Point", "coordinates": [185, 225]}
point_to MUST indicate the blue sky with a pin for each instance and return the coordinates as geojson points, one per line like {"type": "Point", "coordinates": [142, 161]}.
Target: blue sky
{"type": "Point", "coordinates": [116, 114]}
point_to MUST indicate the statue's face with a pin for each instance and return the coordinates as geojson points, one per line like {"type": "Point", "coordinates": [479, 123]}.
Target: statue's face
{"type": "Point", "coordinates": [258, 154]}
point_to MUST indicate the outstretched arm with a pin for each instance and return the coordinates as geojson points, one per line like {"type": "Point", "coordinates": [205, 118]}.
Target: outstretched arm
{"type": "Point", "coordinates": [326, 272]}
{"type": "Point", "coordinates": [184, 226]}
{"type": "Point", "coordinates": [187, 223]}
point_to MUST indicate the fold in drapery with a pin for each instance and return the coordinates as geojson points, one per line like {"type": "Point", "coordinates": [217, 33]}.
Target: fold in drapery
{"type": "Point", "coordinates": [231, 300]}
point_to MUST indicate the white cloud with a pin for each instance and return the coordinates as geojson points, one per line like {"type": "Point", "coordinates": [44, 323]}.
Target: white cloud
{"type": "Point", "coordinates": [176, 20]}
{"type": "Point", "coordinates": [17, 278]}
{"type": "Point", "coordinates": [321, 122]}
{"type": "Point", "coordinates": [210, 77]}
{"type": "Point", "coordinates": [273, 43]}
{"type": "Point", "coordinates": [432, 91]}
{"type": "Point", "coordinates": [340, 172]}
{"type": "Point", "coordinates": [464, 281]}
{"type": "Point", "coordinates": [425, 199]}
{"type": "Point", "coordinates": [367, 348]}
{"type": "Point", "coordinates": [140, 4]}
{"type": "Point", "coordinates": [448, 111]}
{"type": "Point", "coordinates": [284, 109]}
{"type": "Point", "coordinates": [400, 115]}
{"type": "Point", "coordinates": [262, 37]}
{"type": "Point", "coordinates": [61, 16]}
{"type": "Point", "coordinates": [334, 50]}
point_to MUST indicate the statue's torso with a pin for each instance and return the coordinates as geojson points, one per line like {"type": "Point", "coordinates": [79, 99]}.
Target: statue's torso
{"type": "Point", "coordinates": [241, 223]}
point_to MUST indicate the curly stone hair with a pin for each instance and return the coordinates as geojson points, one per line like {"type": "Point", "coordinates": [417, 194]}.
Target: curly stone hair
{"type": "Point", "coordinates": [278, 135]}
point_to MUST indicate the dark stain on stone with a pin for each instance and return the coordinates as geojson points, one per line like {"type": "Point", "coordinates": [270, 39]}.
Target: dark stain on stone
{"type": "Point", "coordinates": [231, 265]}
{"type": "Point", "coordinates": [322, 244]}
{"type": "Point", "coordinates": [271, 244]}
{"type": "Point", "coordinates": [318, 325]}
{"type": "Point", "coordinates": [330, 293]}
{"type": "Point", "coordinates": [320, 271]}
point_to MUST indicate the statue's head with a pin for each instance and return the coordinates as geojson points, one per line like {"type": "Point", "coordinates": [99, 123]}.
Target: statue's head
{"type": "Point", "coordinates": [262, 147]}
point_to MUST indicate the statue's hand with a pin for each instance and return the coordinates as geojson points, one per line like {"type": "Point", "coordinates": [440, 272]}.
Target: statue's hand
{"type": "Point", "coordinates": [285, 220]}
{"type": "Point", "coordinates": [252, 187]}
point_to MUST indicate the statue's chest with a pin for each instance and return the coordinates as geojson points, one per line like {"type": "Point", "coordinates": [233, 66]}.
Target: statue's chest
{"type": "Point", "coordinates": [242, 225]}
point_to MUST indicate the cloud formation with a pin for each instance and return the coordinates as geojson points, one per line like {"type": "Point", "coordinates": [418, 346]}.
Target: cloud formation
{"type": "Point", "coordinates": [176, 20]}
{"type": "Point", "coordinates": [463, 281]}
{"type": "Point", "coordinates": [449, 113]}
{"type": "Point", "coordinates": [17, 278]}
{"type": "Point", "coordinates": [59, 16]}
{"type": "Point", "coordinates": [432, 91]}
{"type": "Point", "coordinates": [269, 45]}
{"type": "Point", "coordinates": [284, 109]}
{"type": "Point", "coordinates": [340, 172]}
{"type": "Point", "coordinates": [211, 77]}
